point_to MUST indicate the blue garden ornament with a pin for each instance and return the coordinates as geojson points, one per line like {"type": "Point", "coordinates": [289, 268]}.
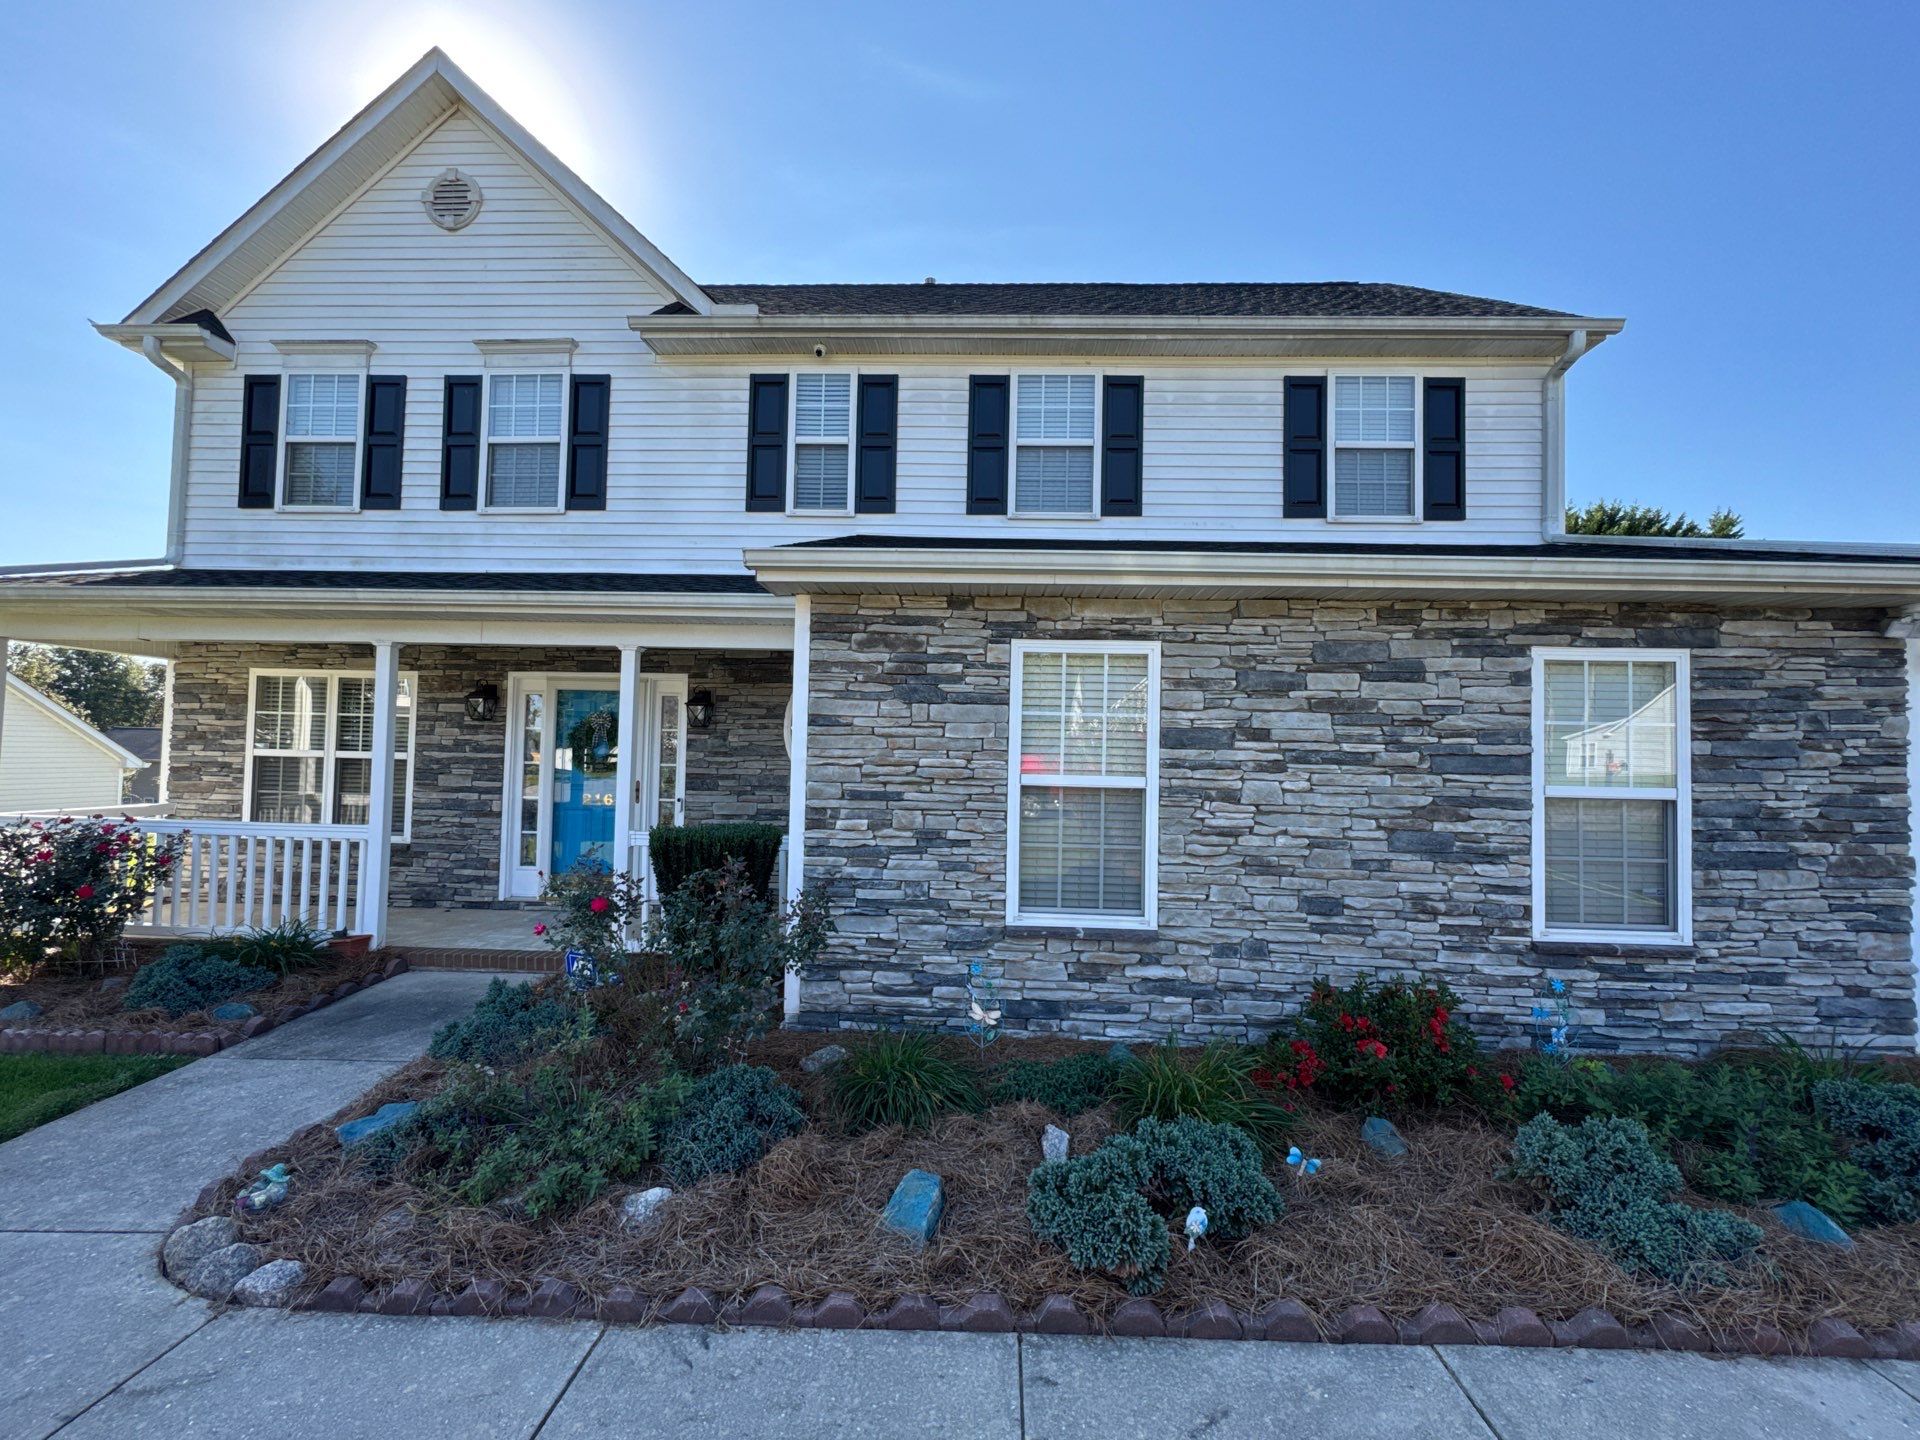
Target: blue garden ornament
{"type": "Point", "coordinates": [983, 1005]}
{"type": "Point", "coordinates": [266, 1192]}
{"type": "Point", "coordinates": [1301, 1163]}
{"type": "Point", "coordinates": [1294, 1157]}
{"type": "Point", "coordinates": [1196, 1226]}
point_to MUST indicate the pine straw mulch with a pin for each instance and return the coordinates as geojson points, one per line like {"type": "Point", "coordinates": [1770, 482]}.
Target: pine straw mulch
{"type": "Point", "coordinates": [75, 1000]}
{"type": "Point", "coordinates": [1439, 1226]}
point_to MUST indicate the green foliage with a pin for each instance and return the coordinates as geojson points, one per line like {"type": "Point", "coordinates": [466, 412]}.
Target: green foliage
{"type": "Point", "coordinates": [291, 945]}
{"type": "Point", "coordinates": [1214, 1083]}
{"type": "Point", "coordinates": [1109, 1209]}
{"type": "Point", "coordinates": [1615, 517]}
{"type": "Point", "coordinates": [37, 1088]}
{"type": "Point", "coordinates": [594, 910]}
{"type": "Point", "coordinates": [1882, 1123]}
{"type": "Point", "coordinates": [1390, 1045]}
{"type": "Point", "coordinates": [68, 887]}
{"type": "Point", "coordinates": [100, 688]}
{"type": "Point", "coordinates": [729, 1120]}
{"type": "Point", "coordinates": [188, 978]}
{"type": "Point", "coordinates": [901, 1079]}
{"type": "Point", "coordinates": [511, 1024]}
{"type": "Point", "coordinates": [1608, 1184]}
{"type": "Point", "coordinates": [680, 852]}
{"type": "Point", "coordinates": [1065, 1086]}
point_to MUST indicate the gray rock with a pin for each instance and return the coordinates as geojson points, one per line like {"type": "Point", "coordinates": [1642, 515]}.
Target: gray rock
{"type": "Point", "coordinates": [233, 1010]}
{"type": "Point", "coordinates": [190, 1244]}
{"type": "Point", "coordinates": [1811, 1223]}
{"type": "Point", "coordinates": [825, 1058]}
{"type": "Point", "coordinates": [1053, 1143]}
{"type": "Point", "coordinates": [641, 1211]}
{"type": "Point", "coordinates": [1383, 1139]}
{"type": "Point", "coordinates": [20, 1010]}
{"type": "Point", "coordinates": [368, 1126]}
{"type": "Point", "coordinates": [272, 1284]}
{"type": "Point", "coordinates": [914, 1212]}
{"type": "Point", "coordinates": [214, 1277]}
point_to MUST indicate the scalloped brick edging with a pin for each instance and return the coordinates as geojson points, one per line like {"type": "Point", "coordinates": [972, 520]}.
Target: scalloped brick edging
{"type": "Point", "coordinates": [1284, 1321]}
{"type": "Point", "coordinates": [21, 1041]}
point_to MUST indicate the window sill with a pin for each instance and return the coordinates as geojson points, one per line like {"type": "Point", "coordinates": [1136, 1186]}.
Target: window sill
{"type": "Point", "coordinates": [1373, 519]}
{"type": "Point", "coordinates": [1035, 930]}
{"type": "Point", "coordinates": [1650, 949]}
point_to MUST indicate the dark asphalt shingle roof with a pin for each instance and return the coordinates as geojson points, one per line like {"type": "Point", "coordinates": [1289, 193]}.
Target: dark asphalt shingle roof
{"type": "Point", "coordinates": [605, 582]}
{"type": "Point", "coordinates": [1324, 299]}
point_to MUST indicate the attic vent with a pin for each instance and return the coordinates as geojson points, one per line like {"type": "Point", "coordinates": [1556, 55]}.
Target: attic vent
{"type": "Point", "coordinates": [452, 200]}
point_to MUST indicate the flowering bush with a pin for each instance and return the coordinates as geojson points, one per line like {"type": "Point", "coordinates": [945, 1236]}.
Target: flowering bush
{"type": "Point", "coordinates": [595, 909]}
{"type": "Point", "coordinates": [68, 887]}
{"type": "Point", "coordinates": [1381, 1045]}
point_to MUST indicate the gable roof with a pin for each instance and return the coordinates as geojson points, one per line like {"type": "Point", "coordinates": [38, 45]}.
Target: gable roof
{"type": "Point", "coordinates": [18, 689]}
{"type": "Point", "coordinates": [357, 153]}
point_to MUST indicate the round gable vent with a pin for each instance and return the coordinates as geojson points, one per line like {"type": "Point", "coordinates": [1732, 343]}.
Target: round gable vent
{"type": "Point", "coordinates": [452, 199]}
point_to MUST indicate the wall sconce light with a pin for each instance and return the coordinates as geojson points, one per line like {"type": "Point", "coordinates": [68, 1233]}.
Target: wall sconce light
{"type": "Point", "coordinates": [483, 702]}
{"type": "Point", "coordinates": [700, 709]}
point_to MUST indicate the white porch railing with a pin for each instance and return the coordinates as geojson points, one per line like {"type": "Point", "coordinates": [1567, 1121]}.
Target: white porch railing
{"type": "Point", "coordinates": [234, 875]}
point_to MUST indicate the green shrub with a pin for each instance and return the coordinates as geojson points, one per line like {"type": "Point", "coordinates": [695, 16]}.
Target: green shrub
{"type": "Point", "coordinates": [728, 1121]}
{"type": "Point", "coordinates": [284, 948]}
{"type": "Point", "coordinates": [1065, 1086]}
{"type": "Point", "coordinates": [510, 1024]}
{"type": "Point", "coordinates": [1608, 1184]}
{"type": "Point", "coordinates": [1882, 1122]}
{"type": "Point", "coordinates": [901, 1079]}
{"type": "Point", "coordinates": [679, 852]}
{"type": "Point", "coordinates": [1214, 1083]}
{"type": "Point", "coordinates": [1109, 1210]}
{"type": "Point", "coordinates": [186, 978]}
{"type": "Point", "coordinates": [1386, 1046]}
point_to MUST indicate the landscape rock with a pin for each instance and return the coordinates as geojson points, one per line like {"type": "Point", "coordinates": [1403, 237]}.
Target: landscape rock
{"type": "Point", "coordinates": [1053, 1143]}
{"type": "Point", "coordinates": [640, 1212]}
{"type": "Point", "coordinates": [216, 1275]}
{"type": "Point", "coordinates": [21, 1010]}
{"type": "Point", "coordinates": [272, 1284]}
{"type": "Point", "coordinates": [915, 1209]}
{"type": "Point", "coordinates": [190, 1244]}
{"type": "Point", "coordinates": [825, 1058]}
{"type": "Point", "coordinates": [385, 1118]}
{"type": "Point", "coordinates": [1383, 1139]}
{"type": "Point", "coordinates": [1811, 1223]}
{"type": "Point", "coordinates": [233, 1010]}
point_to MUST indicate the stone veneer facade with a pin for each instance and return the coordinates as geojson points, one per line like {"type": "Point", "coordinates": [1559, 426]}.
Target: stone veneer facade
{"type": "Point", "coordinates": [737, 770]}
{"type": "Point", "coordinates": [1345, 788]}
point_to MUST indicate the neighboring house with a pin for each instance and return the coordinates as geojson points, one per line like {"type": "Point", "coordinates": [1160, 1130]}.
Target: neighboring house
{"type": "Point", "coordinates": [145, 741]}
{"type": "Point", "coordinates": [51, 759]}
{"type": "Point", "coordinates": [1164, 646]}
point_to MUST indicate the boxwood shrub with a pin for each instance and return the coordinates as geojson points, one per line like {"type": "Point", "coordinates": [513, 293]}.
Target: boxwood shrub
{"type": "Point", "coordinates": [680, 851]}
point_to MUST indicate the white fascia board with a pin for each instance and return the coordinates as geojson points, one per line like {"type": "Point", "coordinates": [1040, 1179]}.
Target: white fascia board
{"type": "Point", "coordinates": [183, 342]}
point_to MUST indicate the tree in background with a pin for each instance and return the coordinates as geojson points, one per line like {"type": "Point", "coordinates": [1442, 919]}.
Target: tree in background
{"type": "Point", "coordinates": [101, 689]}
{"type": "Point", "coordinates": [1611, 517]}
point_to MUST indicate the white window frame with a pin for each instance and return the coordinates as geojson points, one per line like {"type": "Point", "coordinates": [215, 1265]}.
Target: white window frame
{"type": "Point", "coordinates": [1014, 445]}
{"type": "Point", "coordinates": [1017, 782]}
{"type": "Point", "coordinates": [330, 752]}
{"type": "Point", "coordinates": [485, 485]}
{"type": "Point", "coordinates": [1680, 793]}
{"type": "Point", "coordinates": [794, 442]}
{"type": "Point", "coordinates": [286, 442]}
{"type": "Point", "coordinates": [1417, 507]}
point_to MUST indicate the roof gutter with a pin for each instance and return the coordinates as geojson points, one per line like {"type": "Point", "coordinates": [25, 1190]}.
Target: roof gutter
{"type": "Point", "coordinates": [1553, 454]}
{"type": "Point", "coordinates": [182, 376]}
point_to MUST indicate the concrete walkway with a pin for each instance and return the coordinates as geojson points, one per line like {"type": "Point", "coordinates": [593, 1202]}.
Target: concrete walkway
{"type": "Point", "coordinates": [95, 1343]}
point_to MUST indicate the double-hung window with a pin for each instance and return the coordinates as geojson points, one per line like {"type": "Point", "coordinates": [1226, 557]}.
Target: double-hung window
{"type": "Point", "coordinates": [1083, 790]}
{"type": "Point", "coordinates": [524, 433]}
{"type": "Point", "coordinates": [1611, 829]}
{"type": "Point", "coordinates": [1055, 459]}
{"type": "Point", "coordinates": [310, 749]}
{"type": "Point", "coordinates": [1375, 451]}
{"type": "Point", "coordinates": [822, 465]}
{"type": "Point", "coordinates": [322, 440]}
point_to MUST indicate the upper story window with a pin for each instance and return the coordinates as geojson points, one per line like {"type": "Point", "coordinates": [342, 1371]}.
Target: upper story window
{"type": "Point", "coordinates": [1375, 465]}
{"type": "Point", "coordinates": [322, 430]}
{"type": "Point", "coordinates": [1055, 420]}
{"type": "Point", "coordinates": [822, 442]}
{"type": "Point", "coordinates": [524, 432]}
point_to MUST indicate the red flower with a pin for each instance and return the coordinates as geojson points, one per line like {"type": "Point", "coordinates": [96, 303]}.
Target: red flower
{"type": "Point", "coordinates": [41, 857]}
{"type": "Point", "coordinates": [1372, 1048]}
{"type": "Point", "coordinates": [1506, 1082]}
{"type": "Point", "coordinates": [598, 904]}
{"type": "Point", "coordinates": [85, 892]}
{"type": "Point", "coordinates": [540, 927]}
{"type": "Point", "coordinates": [1442, 1015]}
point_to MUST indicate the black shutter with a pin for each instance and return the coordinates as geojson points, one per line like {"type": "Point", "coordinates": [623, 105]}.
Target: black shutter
{"type": "Point", "coordinates": [1304, 482]}
{"type": "Point", "coordinates": [987, 445]}
{"type": "Point", "coordinates": [767, 442]}
{"type": "Point", "coordinates": [587, 443]}
{"type": "Point", "coordinates": [259, 440]}
{"type": "Point", "coordinates": [380, 466]}
{"type": "Point", "coordinates": [876, 420]}
{"type": "Point", "coordinates": [1120, 433]}
{"type": "Point", "coordinates": [460, 444]}
{"type": "Point", "coordinates": [1445, 462]}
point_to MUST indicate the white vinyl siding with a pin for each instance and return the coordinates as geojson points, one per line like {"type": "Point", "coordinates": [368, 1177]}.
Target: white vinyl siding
{"type": "Point", "coordinates": [322, 445]}
{"type": "Point", "coordinates": [1611, 810]}
{"type": "Point", "coordinates": [822, 442]}
{"type": "Point", "coordinates": [524, 431]}
{"type": "Point", "coordinates": [1055, 420]}
{"type": "Point", "coordinates": [310, 749]}
{"type": "Point", "coordinates": [1375, 464]}
{"type": "Point", "coordinates": [1083, 784]}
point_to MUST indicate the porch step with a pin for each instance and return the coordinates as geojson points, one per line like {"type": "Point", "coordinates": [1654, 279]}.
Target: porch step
{"type": "Point", "coordinates": [517, 962]}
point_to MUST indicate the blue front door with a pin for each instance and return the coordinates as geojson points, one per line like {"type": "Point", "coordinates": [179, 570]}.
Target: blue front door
{"type": "Point", "coordinates": [585, 726]}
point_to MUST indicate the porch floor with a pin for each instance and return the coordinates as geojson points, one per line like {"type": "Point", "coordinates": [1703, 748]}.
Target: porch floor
{"type": "Point", "coordinates": [448, 928]}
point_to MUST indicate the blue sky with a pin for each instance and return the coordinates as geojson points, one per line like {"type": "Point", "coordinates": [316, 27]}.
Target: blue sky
{"type": "Point", "coordinates": [1737, 180]}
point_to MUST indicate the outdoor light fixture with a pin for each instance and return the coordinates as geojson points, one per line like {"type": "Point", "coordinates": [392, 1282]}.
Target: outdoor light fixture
{"type": "Point", "coordinates": [483, 702]}
{"type": "Point", "coordinates": [700, 709]}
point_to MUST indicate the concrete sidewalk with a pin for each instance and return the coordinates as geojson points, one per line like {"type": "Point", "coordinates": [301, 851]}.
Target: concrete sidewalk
{"type": "Point", "coordinates": [97, 1344]}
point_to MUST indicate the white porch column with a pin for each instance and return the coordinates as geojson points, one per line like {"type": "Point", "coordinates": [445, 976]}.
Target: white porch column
{"type": "Point", "coordinates": [6, 656]}
{"type": "Point", "coordinates": [1913, 801]}
{"type": "Point", "coordinates": [373, 879]}
{"type": "Point", "coordinates": [797, 775]}
{"type": "Point", "coordinates": [627, 768]}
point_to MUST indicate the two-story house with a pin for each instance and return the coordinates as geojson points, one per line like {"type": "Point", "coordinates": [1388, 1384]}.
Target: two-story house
{"type": "Point", "coordinates": [1163, 646]}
